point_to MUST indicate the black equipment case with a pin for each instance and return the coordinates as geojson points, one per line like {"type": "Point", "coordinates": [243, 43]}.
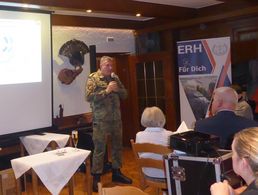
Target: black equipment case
{"type": "Point", "coordinates": [194, 143]}
{"type": "Point", "coordinates": [191, 175]}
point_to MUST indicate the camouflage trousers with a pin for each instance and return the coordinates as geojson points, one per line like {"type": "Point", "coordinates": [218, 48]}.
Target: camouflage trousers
{"type": "Point", "coordinates": [100, 132]}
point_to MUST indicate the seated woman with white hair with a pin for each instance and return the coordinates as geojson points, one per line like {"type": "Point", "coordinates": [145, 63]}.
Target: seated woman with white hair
{"type": "Point", "coordinates": [154, 120]}
{"type": "Point", "coordinates": [245, 163]}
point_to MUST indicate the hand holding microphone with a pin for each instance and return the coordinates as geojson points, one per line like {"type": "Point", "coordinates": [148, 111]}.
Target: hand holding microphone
{"type": "Point", "coordinates": [112, 85]}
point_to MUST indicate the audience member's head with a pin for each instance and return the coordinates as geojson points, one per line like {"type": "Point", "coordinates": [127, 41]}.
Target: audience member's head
{"type": "Point", "coordinates": [245, 162]}
{"type": "Point", "coordinates": [153, 117]}
{"type": "Point", "coordinates": [245, 153]}
{"type": "Point", "coordinates": [224, 98]}
{"type": "Point", "coordinates": [238, 89]}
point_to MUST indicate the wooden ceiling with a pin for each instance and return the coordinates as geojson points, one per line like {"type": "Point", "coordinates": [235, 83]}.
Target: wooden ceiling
{"type": "Point", "coordinates": [163, 16]}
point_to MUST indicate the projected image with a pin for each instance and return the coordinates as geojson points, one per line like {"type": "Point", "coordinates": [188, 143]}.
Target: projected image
{"type": "Point", "coordinates": [20, 51]}
{"type": "Point", "coordinates": [25, 71]}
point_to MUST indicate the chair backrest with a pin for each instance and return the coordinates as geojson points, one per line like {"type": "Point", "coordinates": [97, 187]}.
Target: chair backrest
{"type": "Point", "coordinates": [149, 148]}
{"type": "Point", "coordinates": [118, 190]}
{"type": "Point", "coordinates": [139, 148]}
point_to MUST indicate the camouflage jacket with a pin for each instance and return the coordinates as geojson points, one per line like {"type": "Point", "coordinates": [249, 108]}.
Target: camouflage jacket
{"type": "Point", "coordinates": [105, 107]}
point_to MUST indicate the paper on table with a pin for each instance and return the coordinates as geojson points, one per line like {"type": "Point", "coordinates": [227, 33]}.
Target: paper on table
{"type": "Point", "coordinates": [182, 128]}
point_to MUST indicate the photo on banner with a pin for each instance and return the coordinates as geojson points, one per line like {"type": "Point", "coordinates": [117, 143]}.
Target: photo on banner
{"type": "Point", "coordinates": [203, 65]}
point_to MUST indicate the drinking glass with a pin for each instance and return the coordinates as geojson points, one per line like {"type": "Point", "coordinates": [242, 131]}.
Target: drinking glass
{"type": "Point", "coordinates": [75, 138]}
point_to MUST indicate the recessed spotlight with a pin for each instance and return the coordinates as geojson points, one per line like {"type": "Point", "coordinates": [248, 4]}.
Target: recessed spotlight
{"type": "Point", "coordinates": [138, 15]}
{"type": "Point", "coordinates": [88, 10]}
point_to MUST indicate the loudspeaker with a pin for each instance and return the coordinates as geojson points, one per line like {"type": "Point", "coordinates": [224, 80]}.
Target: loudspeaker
{"type": "Point", "coordinates": [93, 62]}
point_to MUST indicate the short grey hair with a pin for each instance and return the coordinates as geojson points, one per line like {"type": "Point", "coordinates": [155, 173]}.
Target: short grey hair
{"type": "Point", "coordinates": [153, 117]}
{"type": "Point", "coordinates": [104, 59]}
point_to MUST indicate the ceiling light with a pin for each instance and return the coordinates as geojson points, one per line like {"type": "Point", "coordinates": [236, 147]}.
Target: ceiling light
{"type": "Point", "coordinates": [85, 13]}
{"type": "Point", "coordinates": [101, 15]}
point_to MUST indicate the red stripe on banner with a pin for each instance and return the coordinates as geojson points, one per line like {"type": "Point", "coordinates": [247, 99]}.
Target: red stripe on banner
{"type": "Point", "coordinates": [210, 56]}
{"type": "Point", "coordinates": [224, 71]}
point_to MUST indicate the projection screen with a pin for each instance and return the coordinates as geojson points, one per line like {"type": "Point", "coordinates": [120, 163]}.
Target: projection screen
{"type": "Point", "coordinates": [25, 71]}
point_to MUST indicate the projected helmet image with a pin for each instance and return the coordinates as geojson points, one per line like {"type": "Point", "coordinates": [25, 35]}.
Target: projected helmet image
{"type": "Point", "coordinates": [75, 51]}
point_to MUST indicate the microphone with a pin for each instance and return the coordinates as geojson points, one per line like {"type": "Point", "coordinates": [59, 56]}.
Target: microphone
{"type": "Point", "coordinates": [115, 78]}
{"type": "Point", "coordinates": [113, 75]}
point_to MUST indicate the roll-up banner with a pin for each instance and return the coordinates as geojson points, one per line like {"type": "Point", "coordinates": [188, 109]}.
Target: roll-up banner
{"type": "Point", "coordinates": [203, 65]}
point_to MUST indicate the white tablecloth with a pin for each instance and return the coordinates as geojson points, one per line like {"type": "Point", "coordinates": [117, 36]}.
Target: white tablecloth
{"type": "Point", "coordinates": [35, 144]}
{"type": "Point", "coordinates": [53, 169]}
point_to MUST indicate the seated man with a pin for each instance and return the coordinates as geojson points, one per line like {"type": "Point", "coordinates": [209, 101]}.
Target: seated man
{"type": "Point", "coordinates": [224, 122]}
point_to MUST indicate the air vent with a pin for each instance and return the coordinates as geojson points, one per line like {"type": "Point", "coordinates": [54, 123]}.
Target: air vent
{"type": "Point", "coordinates": [110, 39]}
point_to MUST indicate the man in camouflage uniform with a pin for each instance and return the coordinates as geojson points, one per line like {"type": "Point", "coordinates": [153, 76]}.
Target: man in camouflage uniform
{"type": "Point", "coordinates": [103, 91]}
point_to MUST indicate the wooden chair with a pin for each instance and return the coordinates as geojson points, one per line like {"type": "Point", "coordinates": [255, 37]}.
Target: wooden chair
{"type": "Point", "coordinates": [118, 190]}
{"type": "Point", "coordinates": [146, 181]}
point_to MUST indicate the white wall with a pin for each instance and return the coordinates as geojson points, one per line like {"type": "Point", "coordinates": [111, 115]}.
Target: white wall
{"type": "Point", "coordinates": [72, 96]}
